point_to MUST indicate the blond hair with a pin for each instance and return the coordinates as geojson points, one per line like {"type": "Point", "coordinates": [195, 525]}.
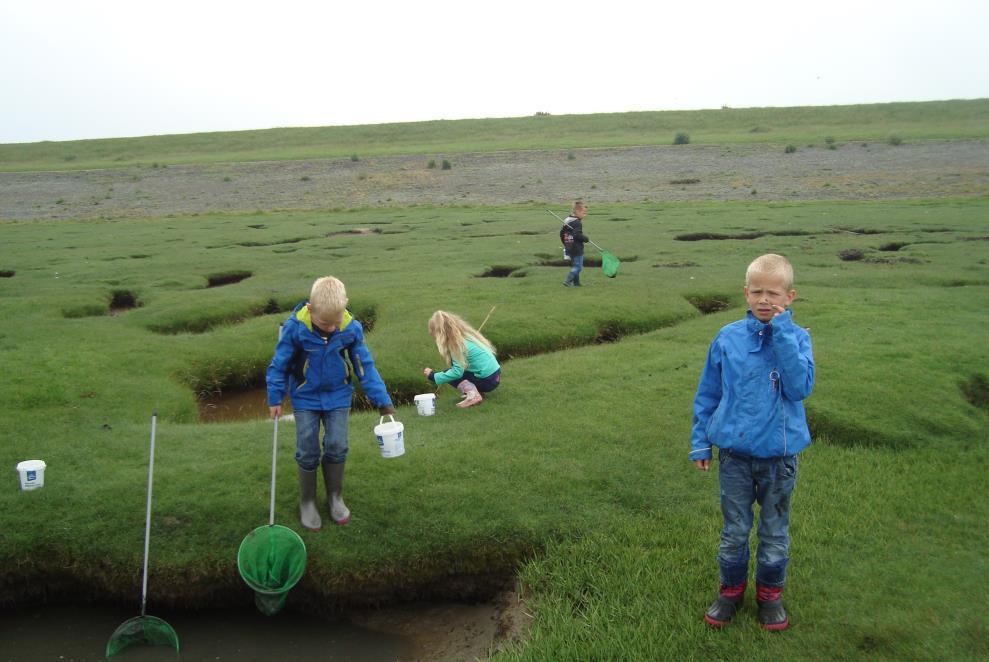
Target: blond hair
{"type": "Point", "coordinates": [451, 333]}
{"type": "Point", "coordinates": [577, 204]}
{"type": "Point", "coordinates": [771, 264]}
{"type": "Point", "coordinates": [328, 296]}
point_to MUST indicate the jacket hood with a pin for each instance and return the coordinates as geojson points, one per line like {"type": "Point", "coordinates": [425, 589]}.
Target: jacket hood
{"type": "Point", "coordinates": [301, 313]}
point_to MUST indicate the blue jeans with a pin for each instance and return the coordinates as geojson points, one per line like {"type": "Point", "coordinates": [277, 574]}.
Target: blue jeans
{"type": "Point", "coordinates": [578, 264]}
{"type": "Point", "coordinates": [769, 482]}
{"type": "Point", "coordinates": [307, 447]}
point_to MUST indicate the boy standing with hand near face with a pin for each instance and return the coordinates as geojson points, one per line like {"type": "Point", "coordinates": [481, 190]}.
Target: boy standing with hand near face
{"type": "Point", "coordinates": [749, 404]}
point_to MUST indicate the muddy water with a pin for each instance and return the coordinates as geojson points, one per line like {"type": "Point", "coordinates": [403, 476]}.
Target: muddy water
{"type": "Point", "coordinates": [238, 406]}
{"type": "Point", "coordinates": [80, 633]}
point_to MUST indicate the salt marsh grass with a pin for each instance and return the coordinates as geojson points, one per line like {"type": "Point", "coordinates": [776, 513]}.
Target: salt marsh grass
{"type": "Point", "coordinates": [572, 476]}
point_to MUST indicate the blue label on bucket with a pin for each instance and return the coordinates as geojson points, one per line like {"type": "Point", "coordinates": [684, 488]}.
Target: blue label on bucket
{"type": "Point", "coordinates": [32, 475]}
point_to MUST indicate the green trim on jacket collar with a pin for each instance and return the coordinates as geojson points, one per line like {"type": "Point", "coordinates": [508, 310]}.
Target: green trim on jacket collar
{"type": "Point", "coordinates": [303, 316]}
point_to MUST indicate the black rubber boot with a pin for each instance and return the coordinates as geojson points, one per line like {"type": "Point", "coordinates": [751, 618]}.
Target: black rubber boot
{"type": "Point", "coordinates": [772, 615]}
{"type": "Point", "coordinates": [724, 608]}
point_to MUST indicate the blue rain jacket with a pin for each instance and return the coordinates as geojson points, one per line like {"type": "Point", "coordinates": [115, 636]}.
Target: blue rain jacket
{"type": "Point", "coordinates": [751, 391]}
{"type": "Point", "coordinates": [318, 374]}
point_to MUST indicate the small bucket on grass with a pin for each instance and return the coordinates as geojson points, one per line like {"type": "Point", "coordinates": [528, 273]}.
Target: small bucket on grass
{"type": "Point", "coordinates": [390, 437]}
{"type": "Point", "coordinates": [32, 474]}
{"type": "Point", "coordinates": [425, 404]}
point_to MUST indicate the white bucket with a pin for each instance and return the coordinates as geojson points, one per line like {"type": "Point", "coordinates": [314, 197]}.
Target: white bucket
{"type": "Point", "coordinates": [390, 437]}
{"type": "Point", "coordinates": [426, 404]}
{"type": "Point", "coordinates": [32, 474]}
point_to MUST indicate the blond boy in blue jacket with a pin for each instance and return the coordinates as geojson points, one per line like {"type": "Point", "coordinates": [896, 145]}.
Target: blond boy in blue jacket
{"type": "Point", "coordinates": [749, 404]}
{"type": "Point", "coordinates": [320, 349]}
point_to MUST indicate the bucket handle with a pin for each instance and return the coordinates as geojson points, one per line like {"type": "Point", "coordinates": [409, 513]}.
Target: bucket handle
{"type": "Point", "coordinates": [383, 419]}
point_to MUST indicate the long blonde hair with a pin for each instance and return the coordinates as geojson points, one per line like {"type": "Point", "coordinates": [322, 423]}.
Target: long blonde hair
{"type": "Point", "coordinates": [451, 333]}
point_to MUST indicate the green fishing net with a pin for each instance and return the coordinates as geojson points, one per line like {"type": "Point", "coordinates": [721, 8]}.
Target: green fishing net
{"type": "Point", "coordinates": [142, 631]}
{"type": "Point", "coordinates": [609, 264]}
{"type": "Point", "coordinates": [271, 560]}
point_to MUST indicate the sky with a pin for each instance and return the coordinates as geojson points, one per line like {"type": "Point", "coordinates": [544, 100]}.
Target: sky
{"type": "Point", "coordinates": [109, 68]}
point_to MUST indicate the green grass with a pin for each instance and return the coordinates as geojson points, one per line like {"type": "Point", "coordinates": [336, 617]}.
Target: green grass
{"type": "Point", "coordinates": [574, 474]}
{"type": "Point", "coordinates": [908, 121]}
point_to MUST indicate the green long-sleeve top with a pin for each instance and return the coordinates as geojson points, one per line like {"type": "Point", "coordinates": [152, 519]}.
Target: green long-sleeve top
{"type": "Point", "coordinates": [480, 361]}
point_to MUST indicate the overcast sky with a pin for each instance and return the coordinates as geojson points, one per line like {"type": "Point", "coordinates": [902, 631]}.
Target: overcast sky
{"type": "Point", "coordinates": [106, 68]}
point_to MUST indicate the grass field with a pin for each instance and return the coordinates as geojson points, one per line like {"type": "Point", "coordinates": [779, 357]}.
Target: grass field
{"type": "Point", "coordinates": [957, 119]}
{"type": "Point", "coordinates": [574, 474]}
{"type": "Point", "coordinates": [573, 477]}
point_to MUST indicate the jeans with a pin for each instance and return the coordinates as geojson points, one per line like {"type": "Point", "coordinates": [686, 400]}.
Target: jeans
{"type": "Point", "coordinates": [578, 264]}
{"type": "Point", "coordinates": [307, 447]}
{"type": "Point", "coordinates": [769, 482]}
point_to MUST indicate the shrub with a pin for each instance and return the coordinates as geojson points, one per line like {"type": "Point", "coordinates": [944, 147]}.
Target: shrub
{"type": "Point", "coordinates": [304, 178]}
{"type": "Point", "coordinates": [446, 165]}
{"type": "Point", "coordinates": [790, 149]}
{"type": "Point", "coordinates": [431, 164]}
{"type": "Point", "coordinates": [353, 157]}
{"type": "Point", "coordinates": [681, 138]}
{"type": "Point", "coordinates": [894, 140]}
{"type": "Point", "coordinates": [570, 156]}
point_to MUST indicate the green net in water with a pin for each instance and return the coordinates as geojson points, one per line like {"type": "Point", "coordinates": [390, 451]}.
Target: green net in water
{"type": "Point", "coordinates": [142, 631]}
{"type": "Point", "coordinates": [609, 264]}
{"type": "Point", "coordinates": [271, 560]}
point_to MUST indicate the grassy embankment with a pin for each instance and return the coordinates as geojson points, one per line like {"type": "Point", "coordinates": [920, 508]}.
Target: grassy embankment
{"type": "Point", "coordinates": [798, 126]}
{"type": "Point", "coordinates": [575, 470]}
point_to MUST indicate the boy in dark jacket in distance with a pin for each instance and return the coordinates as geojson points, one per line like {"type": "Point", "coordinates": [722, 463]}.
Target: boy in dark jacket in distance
{"type": "Point", "coordinates": [320, 349]}
{"type": "Point", "coordinates": [573, 239]}
{"type": "Point", "coordinates": [749, 404]}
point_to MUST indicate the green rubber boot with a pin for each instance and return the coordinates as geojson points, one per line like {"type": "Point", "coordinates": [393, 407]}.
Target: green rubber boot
{"type": "Point", "coordinates": [308, 513]}
{"type": "Point", "coordinates": [333, 476]}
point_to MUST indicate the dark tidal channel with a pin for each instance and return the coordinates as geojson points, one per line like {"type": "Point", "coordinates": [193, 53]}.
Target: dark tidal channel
{"type": "Point", "coordinates": [80, 633]}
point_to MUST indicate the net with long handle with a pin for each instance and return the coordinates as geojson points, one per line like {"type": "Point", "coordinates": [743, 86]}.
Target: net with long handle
{"type": "Point", "coordinates": [144, 630]}
{"type": "Point", "coordinates": [272, 558]}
